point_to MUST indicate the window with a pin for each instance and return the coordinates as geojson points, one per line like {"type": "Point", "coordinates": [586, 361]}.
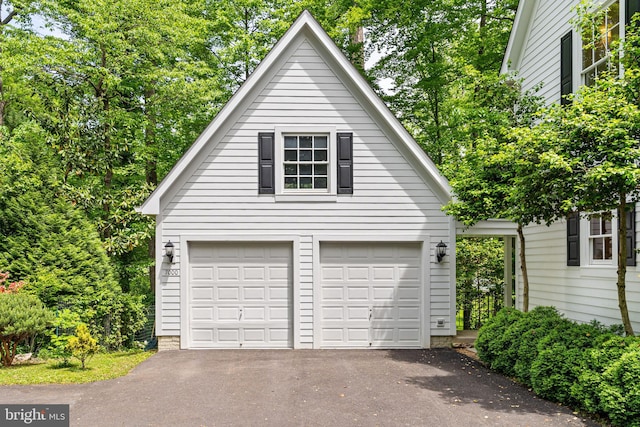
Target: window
{"type": "Point", "coordinates": [302, 163]}
{"type": "Point", "coordinates": [601, 237]}
{"type": "Point", "coordinates": [596, 53]}
{"type": "Point", "coordinates": [306, 162]}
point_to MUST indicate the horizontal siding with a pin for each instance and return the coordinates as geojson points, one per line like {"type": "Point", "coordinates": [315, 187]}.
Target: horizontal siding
{"type": "Point", "coordinates": [541, 58]}
{"type": "Point", "coordinates": [581, 293]}
{"type": "Point", "coordinates": [389, 197]}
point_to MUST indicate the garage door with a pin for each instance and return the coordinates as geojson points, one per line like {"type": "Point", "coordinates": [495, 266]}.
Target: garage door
{"type": "Point", "coordinates": [240, 295]}
{"type": "Point", "coordinates": [370, 295]}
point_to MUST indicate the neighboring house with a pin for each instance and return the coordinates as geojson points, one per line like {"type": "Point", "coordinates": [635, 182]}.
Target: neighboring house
{"type": "Point", "coordinates": [304, 216]}
{"type": "Point", "coordinates": [572, 264]}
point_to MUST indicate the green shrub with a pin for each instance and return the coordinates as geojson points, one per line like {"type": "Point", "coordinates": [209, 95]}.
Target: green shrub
{"type": "Point", "coordinates": [21, 316]}
{"type": "Point", "coordinates": [560, 357]}
{"type": "Point", "coordinates": [492, 341]}
{"type": "Point", "coordinates": [607, 349]}
{"type": "Point", "coordinates": [82, 345]}
{"type": "Point", "coordinates": [619, 390]}
{"type": "Point", "coordinates": [526, 334]}
{"type": "Point", "coordinates": [64, 325]}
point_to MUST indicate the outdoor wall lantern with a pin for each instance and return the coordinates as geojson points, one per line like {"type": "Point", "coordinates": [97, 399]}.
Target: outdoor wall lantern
{"type": "Point", "coordinates": [168, 251]}
{"type": "Point", "coordinates": [441, 250]}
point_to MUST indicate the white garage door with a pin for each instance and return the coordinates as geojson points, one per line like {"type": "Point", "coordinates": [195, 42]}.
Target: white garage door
{"type": "Point", "coordinates": [240, 295]}
{"type": "Point", "coordinates": [370, 295]}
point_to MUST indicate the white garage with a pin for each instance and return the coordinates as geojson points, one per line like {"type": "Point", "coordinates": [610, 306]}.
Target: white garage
{"type": "Point", "coordinates": [240, 295]}
{"type": "Point", "coordinates": [370, 295]}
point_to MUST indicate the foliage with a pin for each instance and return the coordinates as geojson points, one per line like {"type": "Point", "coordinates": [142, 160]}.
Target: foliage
{"type": "Point", "coordinates": [51, 244]}
{"type": "Point", "coordinates": [493, 341]}
{"type": "Point", "coordinates": [82, 345]}
{"type": "Point", "coordinates": [9, 288]}
{"type": "Point", "coordinates": [479, 272]}
{"type": "Point", "coordinates": [64, 324]}
{"type": "Point", "coordinates": [584, 365]}
{"type": "Point", "coordinates": [21, 316]}
{"type": "Point", "coordinates": [104, 366]}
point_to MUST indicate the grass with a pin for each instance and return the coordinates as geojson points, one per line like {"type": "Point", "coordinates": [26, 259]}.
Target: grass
{"type": "Point", "coordinates": [102, 366]}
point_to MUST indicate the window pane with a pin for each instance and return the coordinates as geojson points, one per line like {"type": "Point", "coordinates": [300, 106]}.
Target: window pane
{"type": "Point", "coordinates": [320, 182]}
{"type": "Point", "coordinates": [290, 155]}
{"type": "Point", "coordinates": [305, 169]}
{"type": "Point", "coordinates": [587, 59]}
{"type": "Point", "coordinates": [321, 142]}
{"type": "Point", "coordinates": [613, 15]}
{"type": "Point", "coordinates": [320, 155]}
{"type": "Point", "coordinates": [320, 169]}
{"type": "Point", "coordinates": [598, 248]}
{"type": "Point", "coordinates": [290, 142]}
{"type": "Point", "coordinates": [606, 226]}
{"type": "Point", "coordinates": [291, 169]}
{"type": "Point", "coordinates": [608, 248]}
{"type": "Point", "coordinates": [595, 225]}
{"type": "Point", "coordinates": [305, 183]}
{"type": "Point", "coordinates": [291, 182]}
{"type": "Point", "coordinates": [306, 142]}
{"type": "Point", "coordinates": [305, 155]}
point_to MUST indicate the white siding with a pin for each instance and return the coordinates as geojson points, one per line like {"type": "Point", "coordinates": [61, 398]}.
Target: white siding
{"type": "Point", "coordinates": [389, 198]}
{"type": "Point", "coordinates": [582, 293]}
{"type": "Point", "coordinates": [540, 61]}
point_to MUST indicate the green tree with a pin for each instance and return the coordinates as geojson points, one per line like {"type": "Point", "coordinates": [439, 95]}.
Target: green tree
{"type": "Point", "coordinates": [82, 345]}
{"type": "Point", "coordinates": [21, 316]}
{"type": "Point", "coordinates": [595, 139]}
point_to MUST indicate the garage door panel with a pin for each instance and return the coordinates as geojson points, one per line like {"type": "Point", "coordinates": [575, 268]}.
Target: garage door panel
{"type": "Point", "coordinates": [253, 293]}
{"type": "Point", "coordinates": [279, 293]}
{"type": "Point", "coordinates": [227, 293]}
{"type": "Point", "coordinates": [202, 313]}
{"type": "Point", "coordinates": [228, 273]}
{"type": "Point", "coordinates": [357, 293]}
{"type": "Point", "coordinates": [381, 285]}
{"type": "Point", "coordinates": [204, 294]}
{"type": "Point", "coordinates": [202, 274]}
{"type": "Point", "coordinates": [254, 273]}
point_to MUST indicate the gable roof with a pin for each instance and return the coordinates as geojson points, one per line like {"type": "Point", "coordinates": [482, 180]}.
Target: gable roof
{"type": "Point", "coordinates": [311, 28]}
{"type": "Point", "coordinates": [519, 35]}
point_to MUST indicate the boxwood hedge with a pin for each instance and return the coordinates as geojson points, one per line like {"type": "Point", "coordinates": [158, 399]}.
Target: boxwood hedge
{"type": "Point", "coordinates": [587, 366]}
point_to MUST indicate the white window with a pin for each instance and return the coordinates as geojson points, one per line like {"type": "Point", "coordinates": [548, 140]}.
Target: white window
{"type": "Point", "coordinates": [596, 53]}
{"type": "Point", "coordinates": [601, 238]}
{"type": "Point", "coordinates": [306, 162]}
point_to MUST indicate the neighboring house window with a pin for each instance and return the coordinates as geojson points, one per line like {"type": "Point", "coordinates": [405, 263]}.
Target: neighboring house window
{"type": "Point", "coordinates": [298, 161]}
{"type": "Point", "coordinates": [601, 238]}
{"type": "Point", "coordinates": [596, 53]}
{"type": "Point", "coordinates": [306, 162]}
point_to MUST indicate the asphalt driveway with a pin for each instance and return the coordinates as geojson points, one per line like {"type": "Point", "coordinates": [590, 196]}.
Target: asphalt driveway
{"type": "Point", "coordinates": [302, 388]}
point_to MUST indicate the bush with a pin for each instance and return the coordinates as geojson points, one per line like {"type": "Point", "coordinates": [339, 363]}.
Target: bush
{"type": "Point", "coordinates": [82, 345]}
{"type": "Point", "coordinates": [21, 316]}
{"type": "Point", "coordinates": [619, 390]}
{"type": "Point", "coordinates": [584, 365]}
{"type": "Point", "coordinates": [492, 340]}
{"type": "Point", "coordinates": [560, 353]}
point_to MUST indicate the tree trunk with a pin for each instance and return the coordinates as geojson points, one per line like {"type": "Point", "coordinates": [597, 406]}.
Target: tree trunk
{"type": "Point", "coordinates": [622, 264]}
{"type": "Point", "coordinates": [151, 173]}
{"type": "Point", "coordinates": [525, 274]}
{"type": "Point", "coordinates": [357, 40]}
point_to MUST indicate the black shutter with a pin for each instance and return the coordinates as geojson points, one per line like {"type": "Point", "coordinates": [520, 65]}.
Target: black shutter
{"type": "Point", "coordinates": [566, 67]}
{"type": "Point", "coordinates": [573, 239]}
{"type": "Point", "coordinates": [631, 236]}
{"type": "Point", "coordinates": [266, 167]}
{"type": "Point", "coordinates": [633, 6]}
{"type": "Point", "coordinates": [345, 163]}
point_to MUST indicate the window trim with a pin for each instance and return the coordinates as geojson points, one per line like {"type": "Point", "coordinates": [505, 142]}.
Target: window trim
{"type": "Point", "coordinates": [295, 194]}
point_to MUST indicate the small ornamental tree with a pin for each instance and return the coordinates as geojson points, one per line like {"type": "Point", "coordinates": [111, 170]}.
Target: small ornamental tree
{"type": "Point", "coordinates": [21, 315]}
{"type": "Point", "coordinates": [82, 346]}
